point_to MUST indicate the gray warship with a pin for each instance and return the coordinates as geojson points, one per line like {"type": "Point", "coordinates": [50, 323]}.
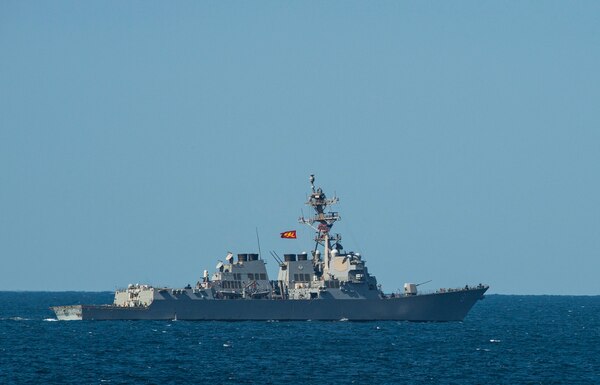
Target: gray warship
{"type": "Point", "coordinates": [327, 284]}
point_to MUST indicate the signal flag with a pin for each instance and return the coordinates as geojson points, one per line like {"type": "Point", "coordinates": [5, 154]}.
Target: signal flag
{"type": "Point", "coordinates": [289, 234]}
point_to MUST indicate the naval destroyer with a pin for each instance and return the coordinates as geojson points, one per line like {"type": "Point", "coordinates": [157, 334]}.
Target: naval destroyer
{"type": "Point", "coordinates": [328, 283]}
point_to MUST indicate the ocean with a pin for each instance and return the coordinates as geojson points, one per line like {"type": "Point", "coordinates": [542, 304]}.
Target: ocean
{"type": "Point", "coordinates": [505, 339]}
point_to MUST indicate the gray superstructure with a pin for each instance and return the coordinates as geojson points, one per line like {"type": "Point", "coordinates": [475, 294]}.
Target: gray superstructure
{"type": "Point", "coordinates": [332, 284]}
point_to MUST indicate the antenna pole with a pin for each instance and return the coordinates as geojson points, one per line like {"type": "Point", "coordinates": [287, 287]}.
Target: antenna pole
{"type": "Point", "coordinates": [258, 241]}
{"type": "Point", "coordinates": [276, 257]}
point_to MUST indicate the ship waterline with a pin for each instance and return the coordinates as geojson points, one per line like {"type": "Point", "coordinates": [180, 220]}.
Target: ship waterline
{"type": "Point", "coordinates": [436, 307]}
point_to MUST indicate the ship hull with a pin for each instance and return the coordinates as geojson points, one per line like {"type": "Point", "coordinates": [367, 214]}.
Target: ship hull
{"type": "Point", "coordinates": [437, 307]}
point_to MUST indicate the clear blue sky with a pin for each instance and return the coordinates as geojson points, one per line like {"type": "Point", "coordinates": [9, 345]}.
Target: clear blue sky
{"type": "Point", "coordinates": [140, 141]}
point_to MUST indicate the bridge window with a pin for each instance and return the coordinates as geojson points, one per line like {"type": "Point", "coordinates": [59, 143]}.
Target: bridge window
{"type": "Point", "coordinates": [302, 277]}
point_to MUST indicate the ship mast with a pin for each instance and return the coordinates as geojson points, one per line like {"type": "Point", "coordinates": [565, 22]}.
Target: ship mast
{"type": "Point", "coordinates": [322, 222]}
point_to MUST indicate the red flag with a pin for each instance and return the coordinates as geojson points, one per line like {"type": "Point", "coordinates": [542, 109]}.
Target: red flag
{"type": "Point", "coordinates": [289, 234]}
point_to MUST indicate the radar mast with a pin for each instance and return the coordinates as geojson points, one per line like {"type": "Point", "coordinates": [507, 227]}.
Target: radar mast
{"type": "Point", "coordinates": [322, 221]}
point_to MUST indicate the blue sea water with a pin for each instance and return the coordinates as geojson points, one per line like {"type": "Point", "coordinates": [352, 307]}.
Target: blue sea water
{"type": "Point", "coordinates": [504, 340]}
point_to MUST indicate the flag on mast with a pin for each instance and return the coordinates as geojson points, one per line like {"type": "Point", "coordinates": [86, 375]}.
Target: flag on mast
{"type": "Point", "coordinates": [289, 234]}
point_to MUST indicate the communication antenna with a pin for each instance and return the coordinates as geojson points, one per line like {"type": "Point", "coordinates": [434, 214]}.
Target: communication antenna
{"type": "Point", "coordinates": [258, 241]}
{"type": "Point", "coordinates": [276, 257]}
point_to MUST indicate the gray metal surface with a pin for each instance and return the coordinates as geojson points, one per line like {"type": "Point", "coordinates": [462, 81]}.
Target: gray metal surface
{"type": "Point", "coordinates": [450, 306]}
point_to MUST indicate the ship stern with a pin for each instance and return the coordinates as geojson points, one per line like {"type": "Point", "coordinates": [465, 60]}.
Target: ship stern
{"type": "Point", "coordinates": [68, 313]}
